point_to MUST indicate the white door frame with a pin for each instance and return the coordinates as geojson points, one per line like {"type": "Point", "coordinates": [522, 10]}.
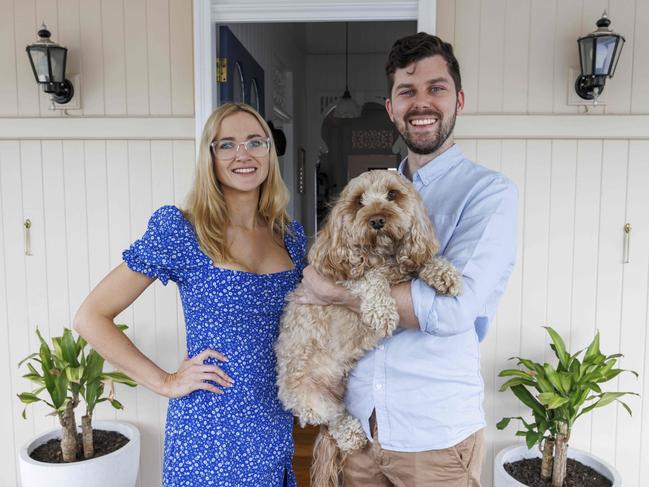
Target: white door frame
{"type": "Point", "coordinates": [208, 12]}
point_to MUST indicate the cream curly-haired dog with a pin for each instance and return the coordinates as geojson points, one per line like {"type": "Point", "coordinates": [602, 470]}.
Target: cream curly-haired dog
{"type": "Point", "coordinates": [377, 235]}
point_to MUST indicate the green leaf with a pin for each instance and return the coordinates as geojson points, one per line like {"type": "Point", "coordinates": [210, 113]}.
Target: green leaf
{"type": "Point", "coordinates": [552, 400]}
{"type": "Point", "coordinates": [553, 377]}
{"type": "Point", "coordinates": [566, 381]}
{"type": "Point", "coordinates": [69, 348]}
{"type": "Point", "coordinates": [29, 357]}
{"type": "Point", "coordinates": [559, 347]}
{"type": "Point", "coordinates": [116, 404]}
{"type": "Point", "coordinates": [503, 423]}
{"type": "Point", "coordinates": [74, 374]}
{"type": "Point", "coordinates": [532, 438]}
{"type": "Point", "coordinates": [515, 382]}
{"type": "Point", "coordinates": [526, 398]}
{"type": "Point", "coordinates": [514, 372]}
{"type": "Point", "coordinates": [593, 349]}
{"type": "Point", "coordinates": [28, 397]}
{"type": "Point", "coordinates": [120, 378]}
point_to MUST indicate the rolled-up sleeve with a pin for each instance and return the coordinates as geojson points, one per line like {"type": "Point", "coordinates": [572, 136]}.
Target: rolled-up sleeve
{"type": "Point", "coordinates": [483, 248]}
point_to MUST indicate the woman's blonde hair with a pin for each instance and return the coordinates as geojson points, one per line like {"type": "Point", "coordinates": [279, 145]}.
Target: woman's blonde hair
{"type": "Point", "coordinates": [206, 208]}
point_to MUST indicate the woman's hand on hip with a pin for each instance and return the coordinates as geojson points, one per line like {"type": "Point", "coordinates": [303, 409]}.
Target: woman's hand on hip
{"type": "Point", "coordinates": [193, 374]}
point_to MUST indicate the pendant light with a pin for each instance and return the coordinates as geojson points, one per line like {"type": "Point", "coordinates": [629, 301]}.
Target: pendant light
{"type": "Point", "coordinates": [346, 106]}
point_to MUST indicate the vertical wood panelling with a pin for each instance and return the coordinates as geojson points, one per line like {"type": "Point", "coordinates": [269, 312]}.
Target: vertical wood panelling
{"type": "Point", "coordinates": [18, 339]}
{"type": "Point", "coordinates": [561, 235]}
{"type": "Point", "coordinates": [466, 48]}
{"type": "Point", "coordinates": [584, 278]}
{"type": "Point", "coordinates": [541, 57]}
{"type": "Point", "coordinates": [631, 443]}
{"type": "Point", "coordinates": [535, 247]}
{"type": "Point", "coordinates": [609, 277]}
{"type": "Point", "coordinates": [489, 155]}
{"type": "Point", "coordinates": [8, 86]}
{"type": "Point", "coordinates": [508, 332]}
{"type": "Point", "coordinates": [159, 74]}
{"type": "Point", "coordinates": [639, 92]}
{"type": "Point", "coordinates": [76, 222]}
{"type": "Point", "coordinates": [181, 58]}
{"type": "Point", "coordinates": [69, 35]}
{"type": "Point", "coordinates": [8, 413]}
{"type": "Point", "coordinates": [491, 52]}
{"type": "Point", "coordinates": [25, 27]}
{"type": "Point", "coordinates": [114, 52]}
{"type": "Point", "coordinates": [566, 55]}
{"type": "Point", "coordinates": [35, 264]}
{"type": "Point", "coordinates": [516, 56]}
{"type": "Point", "coordinates": [137, 76]}
{"type": "Point", "coordinates": [618, 90]}
{"type": "Point", "coordinates": [55, 235]}
{"type": "Point", "coordinates": [97, 208]}
{"type": "Point", "coordinates": [445, 20]}
{"type": "Point", "coordinates": [92, 58]}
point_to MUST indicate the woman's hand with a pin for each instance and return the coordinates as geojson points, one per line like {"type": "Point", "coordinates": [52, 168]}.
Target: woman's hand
{"type": "Point", "coordinates": [193, 375]}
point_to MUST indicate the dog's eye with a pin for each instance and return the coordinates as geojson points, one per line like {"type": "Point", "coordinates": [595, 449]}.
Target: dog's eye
{"type": "Point", "coordinates": [359, 201]}
{"type": "Point", "coordinates": [392, 194]}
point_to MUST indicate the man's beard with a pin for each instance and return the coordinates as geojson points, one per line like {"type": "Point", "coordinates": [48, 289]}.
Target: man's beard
{"type": "Point", "coordinates": [432, 144]}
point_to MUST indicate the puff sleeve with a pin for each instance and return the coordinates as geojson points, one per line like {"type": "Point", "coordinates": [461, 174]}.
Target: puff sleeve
{"type": "Point", "coordinates": [165, 248]}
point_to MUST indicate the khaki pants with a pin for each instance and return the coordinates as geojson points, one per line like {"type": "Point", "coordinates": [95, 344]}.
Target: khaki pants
{"type": "Point", "coordinates": [457, 466]}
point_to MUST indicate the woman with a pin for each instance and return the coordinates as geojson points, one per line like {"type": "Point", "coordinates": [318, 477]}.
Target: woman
{"type": "Point", "coordinates": [234, 255]}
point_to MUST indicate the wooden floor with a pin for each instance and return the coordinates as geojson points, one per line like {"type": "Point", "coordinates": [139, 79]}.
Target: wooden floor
{"type": "Point", "coordinates": [304, 438]}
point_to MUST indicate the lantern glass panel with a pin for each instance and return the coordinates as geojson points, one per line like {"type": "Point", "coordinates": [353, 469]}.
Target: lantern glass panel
{"type": "Point", "coordinates": [57, 56]}
{"type": "Point", "coordinates": [604, 57]}
{"type": "Point", "coordinates": [586, 46]}
{"type": "Point", "coordinates": [39, 58]}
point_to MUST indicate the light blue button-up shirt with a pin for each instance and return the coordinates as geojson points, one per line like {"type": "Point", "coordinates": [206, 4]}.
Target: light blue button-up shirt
{"type": "Point", "coordinates": [425, 385]}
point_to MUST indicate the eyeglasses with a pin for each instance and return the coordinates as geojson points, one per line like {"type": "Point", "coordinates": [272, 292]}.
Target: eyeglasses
{"type": "Point", "coordinates": [226, 150]}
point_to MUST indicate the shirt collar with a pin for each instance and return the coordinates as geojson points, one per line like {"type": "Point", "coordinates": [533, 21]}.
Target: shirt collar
{"type": "Point", "coordinates": [436, 167]}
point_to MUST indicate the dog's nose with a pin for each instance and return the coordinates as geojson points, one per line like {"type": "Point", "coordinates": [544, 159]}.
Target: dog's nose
{"type": "Point", "coordinates": [377, 222]}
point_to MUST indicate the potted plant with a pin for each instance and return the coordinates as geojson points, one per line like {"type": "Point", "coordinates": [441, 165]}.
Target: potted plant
{"type": "Point", "coordinates": [64, 374]}
{"type": "Point", "coordinates": [557, 396]}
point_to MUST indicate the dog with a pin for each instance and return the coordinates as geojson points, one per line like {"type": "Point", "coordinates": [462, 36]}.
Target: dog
{"type": "Point", "coordinates": [377, 235]}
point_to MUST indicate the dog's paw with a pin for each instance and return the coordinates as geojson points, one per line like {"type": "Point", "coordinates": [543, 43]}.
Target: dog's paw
{"type": "Point", "coordinates": [449, 282]}
{"type": "Point", "coordinates": [349, 434]}
{"type": "Point", "coordinates": [442, 276]}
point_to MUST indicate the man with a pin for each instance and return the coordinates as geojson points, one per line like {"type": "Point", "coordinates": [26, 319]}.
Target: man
{"type": "Point", "coordinates": [419, 394]}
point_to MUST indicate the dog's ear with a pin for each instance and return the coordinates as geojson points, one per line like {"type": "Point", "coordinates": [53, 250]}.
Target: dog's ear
{"type": "Point", "coordinates": [330, 253]}
{"type": "Point", "coordinates": [421, 244]}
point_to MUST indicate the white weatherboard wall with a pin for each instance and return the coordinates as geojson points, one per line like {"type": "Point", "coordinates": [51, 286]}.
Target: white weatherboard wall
{"type": "Point", "coordinates": [89, 182]}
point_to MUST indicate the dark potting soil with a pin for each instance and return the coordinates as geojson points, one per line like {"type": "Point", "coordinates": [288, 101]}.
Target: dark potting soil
{"type": "Point", "coordinates": [528, 472]}
{"type": "Point", "coordinates": [105, 442]}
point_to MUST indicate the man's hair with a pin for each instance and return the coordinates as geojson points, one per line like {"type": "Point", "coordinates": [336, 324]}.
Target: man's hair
{"type": "Point", "coordinates": [415, 47]}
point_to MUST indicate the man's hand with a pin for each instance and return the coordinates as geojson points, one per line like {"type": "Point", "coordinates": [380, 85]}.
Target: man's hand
{"type": "Point", "coordinates": [320, 290]}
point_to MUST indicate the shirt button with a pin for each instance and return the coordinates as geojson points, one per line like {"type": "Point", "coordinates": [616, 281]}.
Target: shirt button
{"type": "Point", "coordinates": [381, 347]}
{"type": "Point", "coordinates": [379, 387]}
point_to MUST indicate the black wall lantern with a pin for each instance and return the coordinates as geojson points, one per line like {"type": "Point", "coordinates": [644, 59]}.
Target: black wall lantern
{"type": "Point", "coordinates": [48, 63]}
{"type": "Point", "coordinates": [599, 53]}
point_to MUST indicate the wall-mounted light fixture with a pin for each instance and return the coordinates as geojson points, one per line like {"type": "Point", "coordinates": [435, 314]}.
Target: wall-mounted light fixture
{"type": "Point", "coordinates": [599, 53]}
{"type": "Point", "coordinates": [48, 63]}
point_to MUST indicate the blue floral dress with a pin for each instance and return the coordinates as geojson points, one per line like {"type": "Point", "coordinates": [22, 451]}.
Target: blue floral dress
{"type": "Point", "coordinates": [243, 437]}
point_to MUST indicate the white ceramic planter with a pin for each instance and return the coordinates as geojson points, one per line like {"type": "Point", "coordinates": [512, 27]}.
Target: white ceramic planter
{"type": "Point", "coordinates": [520, 452]}
{"type": "Point", "coordinates": [117, 469]}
